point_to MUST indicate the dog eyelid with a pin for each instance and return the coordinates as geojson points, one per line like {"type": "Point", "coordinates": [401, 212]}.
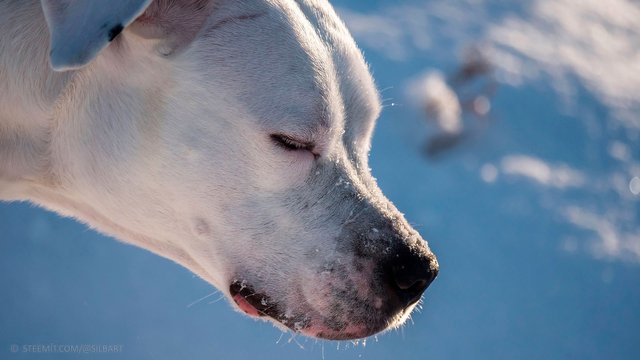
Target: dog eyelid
{"type": "Point", "coordinates": [291, 144]}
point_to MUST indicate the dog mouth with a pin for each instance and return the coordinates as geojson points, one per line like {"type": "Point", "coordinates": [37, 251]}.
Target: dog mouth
{"type": "Point", "coordinates": [307, 322]}
{"type": "Point", "coordinates": [260, 305]}
{"type": "Point", "coordinates": [253, 303]}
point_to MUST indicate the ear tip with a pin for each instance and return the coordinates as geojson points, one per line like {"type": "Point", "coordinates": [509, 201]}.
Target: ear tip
{"type": "Point", "coordinates": [62, 61]}
{"type": "Point", "coordinates": [59, 67]}
{"type": "Point", "coordinates": [78, 28]}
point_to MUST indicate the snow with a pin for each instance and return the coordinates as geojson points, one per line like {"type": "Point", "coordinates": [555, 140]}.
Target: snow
{"type": "Point", "coordinates": [535, 220]}
{"type": "Point", "coordinates": [559, 176]}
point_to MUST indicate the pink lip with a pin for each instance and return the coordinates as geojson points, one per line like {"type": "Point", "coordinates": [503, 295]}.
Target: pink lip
{"type": "Point", "coordinates": [350, 332]}
{"type": "Point", "coordinates": [310, 323]}
{"type": "Point", "coordinates": [244, 305]}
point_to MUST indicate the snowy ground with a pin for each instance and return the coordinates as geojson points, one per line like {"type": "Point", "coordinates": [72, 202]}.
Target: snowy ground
{"type": "Point", "coordinates": [534, 213]}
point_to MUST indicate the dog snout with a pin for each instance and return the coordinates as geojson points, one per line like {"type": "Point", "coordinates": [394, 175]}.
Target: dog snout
{"type": "Point", "coordinates": [409, 272]}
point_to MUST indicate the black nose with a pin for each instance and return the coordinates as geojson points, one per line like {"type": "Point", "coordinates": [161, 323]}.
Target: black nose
{"type": "Point", "coordinates": [410, 274]}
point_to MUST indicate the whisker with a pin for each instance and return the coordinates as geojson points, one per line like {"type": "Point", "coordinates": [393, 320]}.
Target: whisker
{"type": "Point", "coordinates": [293, 337]}
{"type": "Point", "coordinates": [202, 298]}
{"type": "Point", "coordinates": [216, 300]}
{"type": "Point", "coordinates": [393, 104]}
{"type": "Point", "coordinates": [385, 100]}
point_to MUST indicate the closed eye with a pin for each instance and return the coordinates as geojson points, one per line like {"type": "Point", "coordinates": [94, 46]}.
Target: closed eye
{"type": "Point", "coordinates": [291, 144]}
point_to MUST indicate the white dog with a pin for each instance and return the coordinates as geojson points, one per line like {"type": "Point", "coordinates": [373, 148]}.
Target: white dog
{"type": "Point", "coordinates": [229, 136]}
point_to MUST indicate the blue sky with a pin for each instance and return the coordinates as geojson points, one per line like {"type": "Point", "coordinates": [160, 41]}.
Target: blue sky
{"type": "Point", "coordinates": [534, 218]}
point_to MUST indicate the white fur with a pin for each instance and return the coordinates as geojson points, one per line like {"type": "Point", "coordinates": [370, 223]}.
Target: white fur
{"type": "Point", "coordinates": [165, 144]}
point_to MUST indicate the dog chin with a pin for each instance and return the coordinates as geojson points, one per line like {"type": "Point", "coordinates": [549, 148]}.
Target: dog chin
{"type": "Point", "coordinates": [309, 322]}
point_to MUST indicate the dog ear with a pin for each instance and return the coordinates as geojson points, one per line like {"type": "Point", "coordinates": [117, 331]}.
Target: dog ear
{"type": "Point", "coordinates": [172, 24]}
{"type": "Point", "coordinates": [80, 29]}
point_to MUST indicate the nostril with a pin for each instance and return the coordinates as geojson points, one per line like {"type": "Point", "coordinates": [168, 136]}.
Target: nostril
{"type": "Point", "coordinates": [411, 274]}
{"type": "Point", "coordinates": [419, 285]}
{"type": "Point", "coordinates": [409, 280]}
{"type": "Point", "coordinates": [406, 279]}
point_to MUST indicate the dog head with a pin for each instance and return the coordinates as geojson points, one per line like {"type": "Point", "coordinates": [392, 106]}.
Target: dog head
{"type": "Point", "coordinates": [233, 137]}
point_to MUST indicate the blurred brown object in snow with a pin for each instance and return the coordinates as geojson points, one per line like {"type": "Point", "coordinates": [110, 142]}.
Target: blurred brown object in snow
{"type": "Point", "coordinates": [460, 106]}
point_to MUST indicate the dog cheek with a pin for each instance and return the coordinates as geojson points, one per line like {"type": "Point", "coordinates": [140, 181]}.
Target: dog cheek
{"type": "Point", "coordinates": [284, 172]}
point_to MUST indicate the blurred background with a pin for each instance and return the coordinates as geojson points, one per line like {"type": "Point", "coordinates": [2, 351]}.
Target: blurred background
{"type": "Point", "coordinates": [510, 140]}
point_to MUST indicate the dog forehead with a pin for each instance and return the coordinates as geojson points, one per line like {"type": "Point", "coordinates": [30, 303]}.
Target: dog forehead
{"type": "Point", "coordinates": [267, 57]}
{"type": "Point", "coordinates": [362, 103]}
{"type": "Point", "coordinates": [293, 65]}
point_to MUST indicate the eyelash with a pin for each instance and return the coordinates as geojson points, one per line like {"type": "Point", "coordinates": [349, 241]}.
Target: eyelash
{"type": "Point", "coordinates": [290, 144]}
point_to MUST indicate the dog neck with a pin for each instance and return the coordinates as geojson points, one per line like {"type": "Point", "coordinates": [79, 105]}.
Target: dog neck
{"type": "Point", "coordinates": [39, 112]}
{"type": "Point", "coordinates": [29, 90]}
{"type": "Point", "coordinates": [38, 105]}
